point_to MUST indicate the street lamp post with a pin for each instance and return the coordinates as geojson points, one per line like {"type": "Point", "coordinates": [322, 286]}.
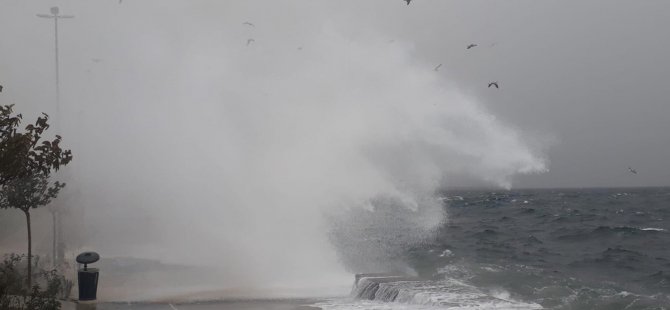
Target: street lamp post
{"type": "Point", "coordinates": [55, 16]}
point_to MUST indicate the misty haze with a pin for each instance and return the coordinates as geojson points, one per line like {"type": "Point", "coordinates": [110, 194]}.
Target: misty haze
{"type": "Point", "coordinates": [386, 154]}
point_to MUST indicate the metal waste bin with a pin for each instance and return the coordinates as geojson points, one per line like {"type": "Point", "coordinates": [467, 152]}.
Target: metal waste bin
{"type": "Point", "coordinates": [88, 277]}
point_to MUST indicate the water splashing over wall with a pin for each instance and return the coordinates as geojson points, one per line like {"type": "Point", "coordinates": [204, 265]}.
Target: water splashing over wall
{"type": "Point", "coordinates": [194, 148]}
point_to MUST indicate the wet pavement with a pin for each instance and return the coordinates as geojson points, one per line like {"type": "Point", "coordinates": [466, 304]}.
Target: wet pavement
{"type": "Point", "coordinates": [222, 305]}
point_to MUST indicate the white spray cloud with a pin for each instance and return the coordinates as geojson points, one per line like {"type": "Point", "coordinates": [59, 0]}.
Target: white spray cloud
{"type": "Point", "coordinates": [192, 147]}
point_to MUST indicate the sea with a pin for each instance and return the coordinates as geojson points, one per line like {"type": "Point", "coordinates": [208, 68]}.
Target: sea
{"type": "Point", "coordinates": [563, 249]}
{"type": "Point", "coordinates": [566, 249]}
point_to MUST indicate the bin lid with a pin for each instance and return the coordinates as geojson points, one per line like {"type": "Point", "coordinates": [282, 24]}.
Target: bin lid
{"type": "Point", "coordinates": [88, 258]}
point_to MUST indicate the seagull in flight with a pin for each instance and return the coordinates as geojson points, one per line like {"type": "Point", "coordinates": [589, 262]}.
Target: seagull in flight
{"type": "Point", "coordinates": [633, 171]}
{"type": "Point", "coordinates": [494, 84]}
{"type": "Point", "coordinates": [408, 1]}
{"type": "Point", "coordinates": [438, 67]}
{"type": "Point", "coordinates": [471, 46]}
{"type": "Point", "coordinates": [249, 24]}
{"type": "Point", "coordinates": [249, 41]}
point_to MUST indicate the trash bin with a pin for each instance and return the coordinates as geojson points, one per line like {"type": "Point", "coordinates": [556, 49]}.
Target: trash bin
{"type": "Point", "coordinates": [88, 277]}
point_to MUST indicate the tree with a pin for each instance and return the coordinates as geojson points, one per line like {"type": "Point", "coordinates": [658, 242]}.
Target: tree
{"type": "Point", "coordinates": [27, 193]}
{"type": "Point", "coordinates": [26, 163]}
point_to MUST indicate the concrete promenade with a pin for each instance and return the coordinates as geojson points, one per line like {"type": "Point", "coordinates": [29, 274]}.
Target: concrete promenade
{"type": "Point", "coordinates": [220, 305]}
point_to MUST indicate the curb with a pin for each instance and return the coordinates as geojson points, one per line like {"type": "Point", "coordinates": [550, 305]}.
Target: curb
{"type": "Point", "coordinates": [78, 305]}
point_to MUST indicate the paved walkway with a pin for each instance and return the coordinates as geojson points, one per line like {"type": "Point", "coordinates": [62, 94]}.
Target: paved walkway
{"type": "Point", "coordinates": [224, 305]}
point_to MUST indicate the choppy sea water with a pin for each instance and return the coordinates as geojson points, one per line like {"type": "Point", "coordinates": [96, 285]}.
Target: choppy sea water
{"type": "Point", "coordinates": [535, 249]}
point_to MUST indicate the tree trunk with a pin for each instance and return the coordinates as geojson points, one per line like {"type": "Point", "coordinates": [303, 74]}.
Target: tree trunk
{"type": "Point", "coordinates": [30, 251]}
{"type": "Point", "coordinates": [53, 245]}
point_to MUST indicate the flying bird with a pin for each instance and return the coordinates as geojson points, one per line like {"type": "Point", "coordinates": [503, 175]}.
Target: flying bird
{"type": "Point", "coordinates": [0, 88]}
{"type": "Point", "coordinates": [249, 41]}
{"type": "Point", "coordinates": [96, 60]}
{"type": "Point", "coordinates": [408, 1]}
{"type": "Point", "coordinates": [438, 67]}
{"type": "Point", "coordinates": [633, 171]}
{"type": "Point", "coordinates": [494, 84]}
{"type": "Point", "coordinates": [249, 24]}
{"type": "Point", "coordinates": [471, 46]}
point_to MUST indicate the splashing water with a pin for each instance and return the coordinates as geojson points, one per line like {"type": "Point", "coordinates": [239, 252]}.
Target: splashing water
{"type": "Point", "coordinates": [208, 152]}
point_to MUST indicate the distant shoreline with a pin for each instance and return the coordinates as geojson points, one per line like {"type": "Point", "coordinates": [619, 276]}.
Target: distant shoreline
{"type": "Point", "coordinates": [473, 188]}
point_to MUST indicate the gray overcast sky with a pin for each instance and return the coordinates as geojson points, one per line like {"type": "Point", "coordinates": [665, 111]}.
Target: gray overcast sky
{"type": "Point", "coordinates": [591, 74]}
{"type": "Point", "coordinates": [586, 79]}
{"type": "Point", "coordinates": [168, 110]}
